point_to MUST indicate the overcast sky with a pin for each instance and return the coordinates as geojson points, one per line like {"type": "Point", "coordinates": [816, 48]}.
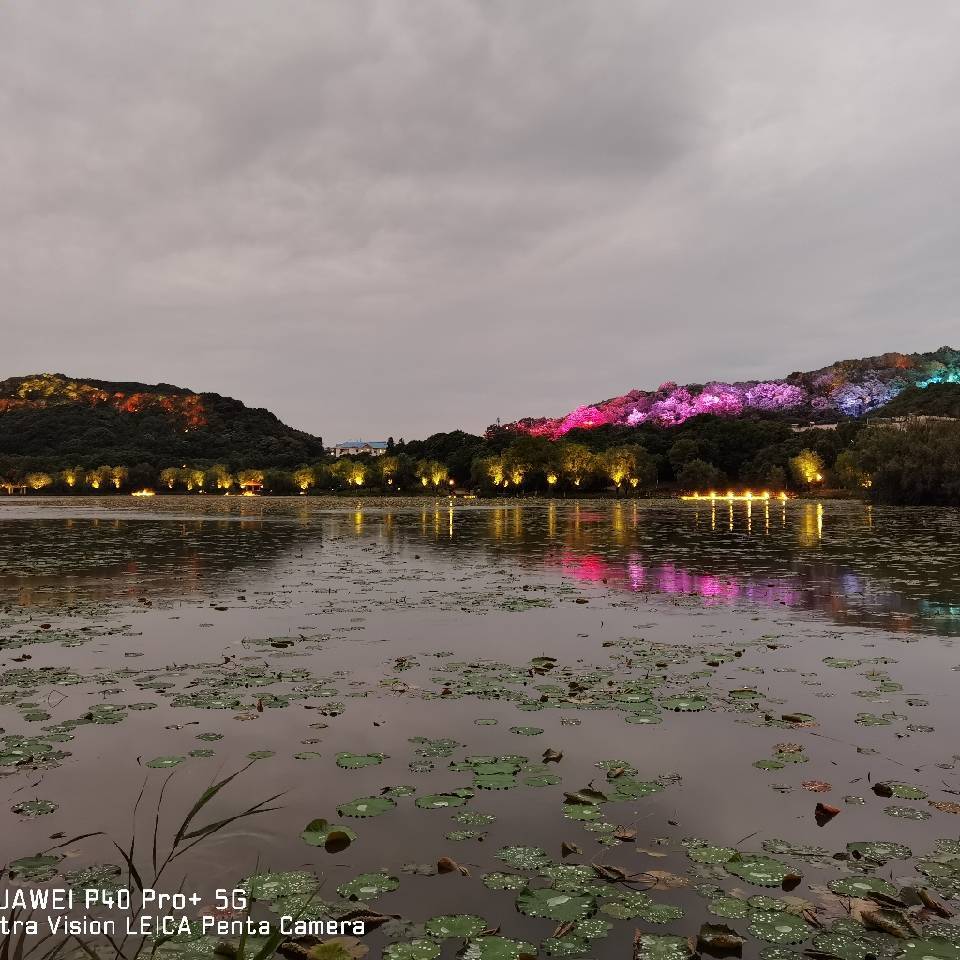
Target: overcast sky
{"type": "Point", "coordinates": [400, 217]}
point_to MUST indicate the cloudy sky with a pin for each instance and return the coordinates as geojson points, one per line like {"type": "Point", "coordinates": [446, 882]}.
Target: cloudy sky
{"type": "Point", "coordinates": [402, 216]}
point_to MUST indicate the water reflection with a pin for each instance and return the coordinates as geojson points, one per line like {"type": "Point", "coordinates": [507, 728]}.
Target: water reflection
{"type": "Point", "coordinates": [850, 562]}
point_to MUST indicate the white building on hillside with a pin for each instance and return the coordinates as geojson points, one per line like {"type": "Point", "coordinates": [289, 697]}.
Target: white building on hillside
{"type": "Point", "coordinates": [353, 448]}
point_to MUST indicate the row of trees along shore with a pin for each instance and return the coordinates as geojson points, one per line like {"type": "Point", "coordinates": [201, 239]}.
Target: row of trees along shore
{"type": "Point", "coordinates": [904, 463]}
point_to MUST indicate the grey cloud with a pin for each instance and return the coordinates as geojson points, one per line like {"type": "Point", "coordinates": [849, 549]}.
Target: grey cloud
{"type": "Point", "coordinates": [396, 217]}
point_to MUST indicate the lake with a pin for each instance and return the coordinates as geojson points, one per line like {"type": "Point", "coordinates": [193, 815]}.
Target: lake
{"type": "Point", "coordinates": [611, 715]}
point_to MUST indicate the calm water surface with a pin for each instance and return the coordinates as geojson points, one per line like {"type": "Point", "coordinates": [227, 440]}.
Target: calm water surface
{"type": "Point", "coordinates": [676, 639]}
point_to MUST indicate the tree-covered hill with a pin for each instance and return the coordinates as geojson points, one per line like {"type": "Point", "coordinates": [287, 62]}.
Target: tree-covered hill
{"type": "Point", "coordinates": [55, 421]}
{"type": "Point", "coordinates": [936, 400]}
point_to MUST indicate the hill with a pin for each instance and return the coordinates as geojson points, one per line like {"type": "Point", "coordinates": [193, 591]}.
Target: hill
{"type": "Point", "coordinates": [59, 421]}
{"type": "Point", "coordinates": [935, 400]}
{"type": "Point", "coordinates": [845, 389]}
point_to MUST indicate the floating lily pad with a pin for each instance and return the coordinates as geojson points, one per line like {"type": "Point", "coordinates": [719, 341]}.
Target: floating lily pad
{"type": "Point", "coordinates": [436, 801]}
{"type": "Point", "coordinates": [758, 869]}
{"type": "Point", "coordinates": [685, 704]}
{"type": "Point", "coordinates": [523, 858]}
{"type": "Point", "coordinates": [165, 762]}
{"type": "Point", "coordinates": [411, 950]}
{"type": "Point", "coordinates": [555, 904]}
{"type": "Point", "coordinates": [366, 807]}
{"type": "Point", "coordinates": [33, 808]}
{"type": "Point", "coordinates": [354, 761]}
{"type": "Point", "coordinates": [498, 948]}
{"type": "Point", "coordinates": [38, 869]}
{"type": "Point", "coordinates": [650, 946]}
{"type": "Point", "coordinates": [368, 886]}
{"type": "Point", "coordinates": [779, 927]}
{"type": "Point", "coordinates": [273, 886]}
{"type": "Point", "coordinates": [461, 925]}
{"type": "Point", "coordinates": [504, 881]}
{"type": "Point", "coordinates": [332, 836]}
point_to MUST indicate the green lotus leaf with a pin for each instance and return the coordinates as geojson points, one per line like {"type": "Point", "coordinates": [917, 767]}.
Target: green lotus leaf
{"type": "Point", "coordinates": [498, 948]}
{"type": "Point", "coordinates": [354, 761]}
{"type": "Point", "coordinates": [861, 886]}
{"type": "Point", "coordinates": [555, 904]}
{"type": "Point", "coordinates": [732, 908]}
{"type": "Point", "coordinates": [333, 836]}
{"type": "Point", "coordinates": [38, 869]}
{"type": "Point", "coordinates": [163, 763]}
{"type": "Point", "coordinates": [462, 925]}
{"type": "Point", "coordinates": [710, 854]}
{"type": "Point", "coordinates": [758, 869]}
{"type": "Point", "coordinates": [412, 950]}
{"type": "Point", "coordinates": [504, 881]}
{"type": "Point", "coordinates": [366, 807]}
{"type": "Point", "coordinates": [930, 948]}
{"type": "Point", "coordinates": [437, 801]}
{"type": "Point", "coordinates": [368, 886]}
{"type": "Point", "coordinates": [33, 808]}
{"type": "Point", "coordinates": [523, 858]}
{"type": "Point", "coordinates": [779, 927]}
{"type": "Point", "coordinates": [273, 886]}
{"type": "Point", "coordinates": [650, 946]}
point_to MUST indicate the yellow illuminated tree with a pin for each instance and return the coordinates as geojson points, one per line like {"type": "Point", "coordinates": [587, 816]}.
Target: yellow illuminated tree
{"type": "Point", "coordinates": [118, 477]}
{"type": "Point", "coordinates": [37, 481]}
{"type": "Point", "coordinates": [431, 472]}
{"type": "Point", "coordinates": [72, 476]}
{"type": "Point", "coordinates": [578, 463]}
{"type": "Point", "coordinates": [100, 477]}
{"type": "Point", "coordinates": [304, 478]}
{"type": "Point", "coordinates": [170, 476]}
{"type": "Point", "coordinates": [221, 476]}
{"type": "Point", "coordinates": [807, 468]}
{"type": "Point", "coordinates": [388, 466]}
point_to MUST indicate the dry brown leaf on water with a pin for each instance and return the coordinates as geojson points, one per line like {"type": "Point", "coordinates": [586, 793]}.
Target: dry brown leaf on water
{"type": "Point", "coordinates": [566, 848]}
{"type": "Point", "coordinates": [449, 865]}
{"type": "Point", "coordinates": [624, 834]}
{"type": "Point", "coordinates": [932, 903]}
{"type": "Point", "coordinates": [824, 812]}
{"type": "Point", "coordinates": [890, 921]}
{"type": "Point", "coordinates": [945, 806]}
{"type": "Point", "coordinates": [552, 756]}
{"type": "Point", "coordinates": [611, 873]}
{"type": "Point", "coordinates": [817, 786]}
{"type": "Point", "coordinates": [665, 880]}
{"type": "Point", "coordinates": [719, 940]}
{"type": "Point", "coordinates": [658, 854]}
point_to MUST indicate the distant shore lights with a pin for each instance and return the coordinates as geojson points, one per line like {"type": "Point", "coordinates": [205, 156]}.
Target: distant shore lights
{"type": "Point", "coordinates": [730, 496]}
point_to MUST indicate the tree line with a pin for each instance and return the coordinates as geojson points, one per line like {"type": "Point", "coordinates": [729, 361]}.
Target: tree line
{"type": "Point", "coordinates": [910, 463]}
